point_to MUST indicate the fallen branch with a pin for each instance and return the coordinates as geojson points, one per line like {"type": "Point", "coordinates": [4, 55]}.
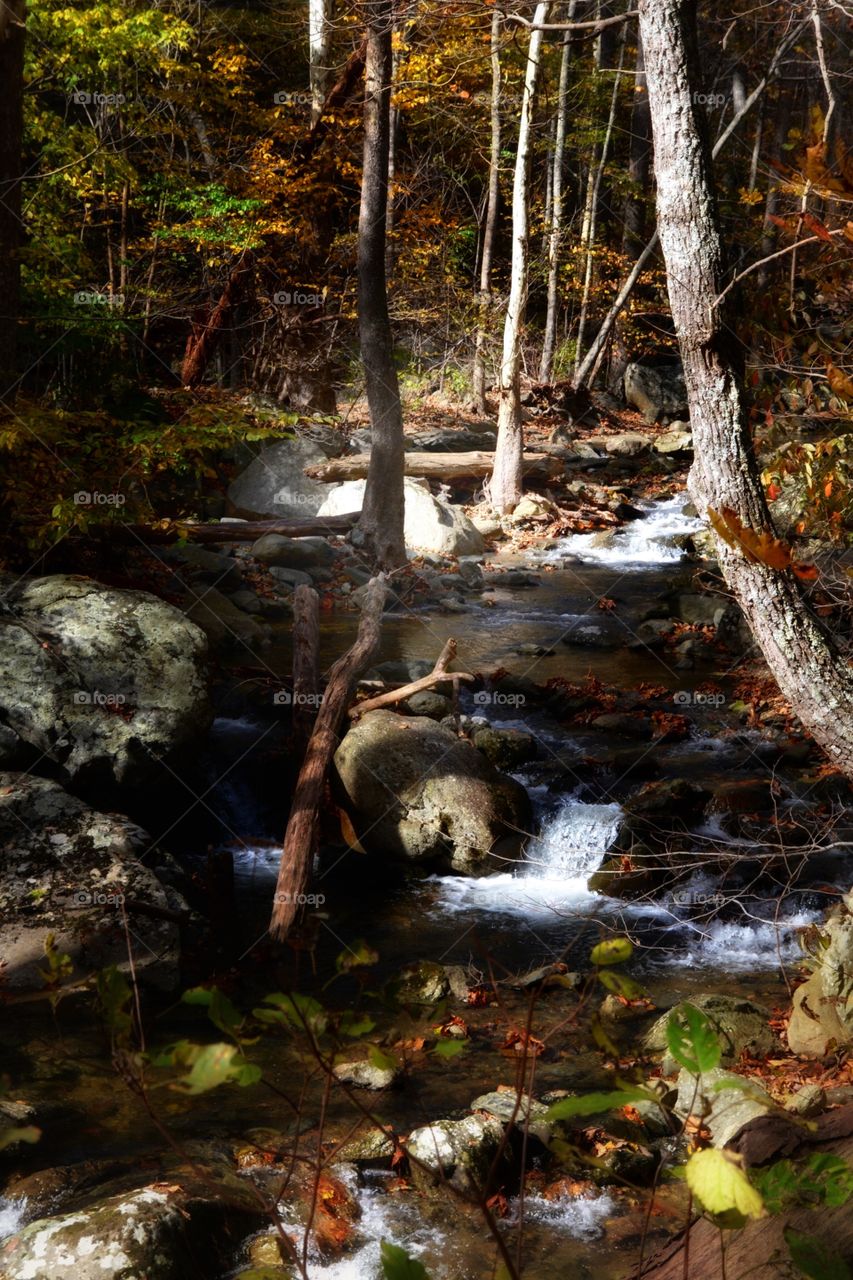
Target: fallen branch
{"type": "Point", "coordinates": [233, 531]}
{"type": "Point", "coordinates": [441, 466]}
{"type": "Point", "coordinates": [300, 839]}
{"type": "Point", "coordinates": [438, 675]}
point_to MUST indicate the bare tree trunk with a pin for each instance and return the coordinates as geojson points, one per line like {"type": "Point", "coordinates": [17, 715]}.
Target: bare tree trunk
{"type": "Point", "coordinates": [810, 672]}
{"type": "Point", "coordinates": [505, 486]}
{"type": "Point", "coordinates": [306, 649]}
{"type": "Point", "coordinates": [319, 53]}
{"type": "Point", "coordinates": [380, 529]}
{"type": "Point", "coordinates": [300, 839]}
{"type": "Point", "coordinates": [203, 342]}
{"type": "Point", "coordinates": [639, 163]}
{"type": "Point", "coordinates": [12, 30]}
{"type": "Point", "coordinates": [479, 374]}
{"type": "Point", "coordinates": [549, 346]}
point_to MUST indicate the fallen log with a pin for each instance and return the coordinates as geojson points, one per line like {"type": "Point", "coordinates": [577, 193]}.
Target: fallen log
{"type": "Point", "coordinates": [438, 675]}
{"type": "Point", "coordinates": [439, 466]}
{"type": "Point", "coordinates": [300, 838]}
{"type": "Point", "coordinates": [234, 531]}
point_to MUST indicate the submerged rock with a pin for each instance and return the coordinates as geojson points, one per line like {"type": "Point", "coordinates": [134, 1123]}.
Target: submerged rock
{"type": "Point", "coordinates": [741, 1026]}
{"type": "Point", "coordinates": [416, 791]}
{"type": "Point", "coordinates": [457, 1151]}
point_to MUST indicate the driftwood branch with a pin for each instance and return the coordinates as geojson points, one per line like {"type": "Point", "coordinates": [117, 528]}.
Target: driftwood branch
{"type": "Point", "coordinates": [438, 675]}
{"type": "Point", "coordinates": [440, 466]}
{"type": "Point", "coordinates": [300, 839]}
{"type": "Point", "coordinates": [234, 531]}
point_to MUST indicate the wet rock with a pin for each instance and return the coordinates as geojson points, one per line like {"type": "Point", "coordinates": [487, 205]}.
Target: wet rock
{"type": "Point", "coordinates": [370, 1149]}
{"type": "Point", "coordinates": [213, 568]}
{"type": "Point", "coordinates": [532, 509]}
{"type": "Point", "coordinates": [431, 523]}
{"type": "Point", "coordinates": [506, 749]}
{"type": "Point", "coordinates": [293, 553]}
{"type": "Point", "coordinates": [726, 1111]}
{"type": "Point", "coordinates": [102, 683]}
{"type": "Point", "coordinates": [290, 579]}
{"type": "Point", "coordinates": [534, 651]}
{"type": "Point", "coordinates": [275, 484]}
{"type": "Point", "coordinates": [449, 441]}
{"type": "Point", "coordinates": [658, 391]}
{"type": "Point", "coordinates": [629, 726]}
{"type": "Point", "coordinates": [515, 578]}
{"type": "Point", "coordinates": [741, 1026]}
{"type": "Point", "coordinates": [226, 626]}
{"type": "Point", "coordinates": [68, 872]}
{"type": "Point", "coordinates": [247, 601]}
{"type": "Point", "coordinates": [585, 634]}
{"type": "Point", "coordinates": [457, 1151]}
{"type": "Point", "coordinates": [424, 982]}
{"type": "Point", "coordinates": [702, 611]}
{"type": "Point", "coordinates": [418, 792]}
{"type": "Point", "coordinates": [361, 1073]}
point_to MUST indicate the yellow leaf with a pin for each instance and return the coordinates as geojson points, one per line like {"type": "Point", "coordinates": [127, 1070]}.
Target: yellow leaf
{"type": "Point", "coordinates": [719, 1183]}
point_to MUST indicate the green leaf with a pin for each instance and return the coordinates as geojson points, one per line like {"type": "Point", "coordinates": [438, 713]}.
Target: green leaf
{"type": "Point", "coordinates": [719, 1183]}
{"type": "Point", "coordinates": [812, 1258]}
{"type": "Point", "coordinates": [621, 984]}
{"type": "Point", "coordinates": [447, 1048]}
{"type": "Point", "coordinates": [301, 1013]}
{"type": "Point", "coordinates": [358, 956]}
{"type": "Point", "coordinates": [353, 1024]}
{"type": "Point", "coordinates": [213, 1065]}
{"type": "Point", "coordinates": [613, 951]}
{"type": "Point", "coordinates": [591, 1104]}
{"type": "Point", "coordinates": [220, 1010]}
{"type": "Point", "coordinates": [398, 1265]}
{"type": "Point", "coordinates": [692, 1040]}
{"type": "Point", "coordinates": [114, 995]}
{"type": "Point", "coordinates": [382, 1061]}
{"type": "Point", "coordinates": [28, 1133]}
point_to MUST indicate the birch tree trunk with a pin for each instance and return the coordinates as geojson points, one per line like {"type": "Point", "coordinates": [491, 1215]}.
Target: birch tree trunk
{"type": "Point", "coordinates": [479, 374]}
{"type": "Point", "coordinates": [505, 486]}
{"type": "Point", "coordinates": [380, 529]}
{"type": "Point", "coordinates": [814, 677]}
{"type": "Point", "coordinates": [12, 20]}
{"type": "Point", "coordinates": [319, 53]}
{"type": "Point", "coordinates": [549, 346]}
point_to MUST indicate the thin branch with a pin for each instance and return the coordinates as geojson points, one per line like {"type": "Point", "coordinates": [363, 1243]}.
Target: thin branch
{"type": "Point", "coordinates": [438, 675]}
{"type": "Point", "coordinates": [597, 24]}
{"type": "Point", "coordinates": [791, 248]}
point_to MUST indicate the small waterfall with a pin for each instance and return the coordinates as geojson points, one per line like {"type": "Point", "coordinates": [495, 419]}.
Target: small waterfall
{"type": "Point", "coordinates": [12, 1213]}
{"type": "Point", "coordinates": [573, 841]}
{"type": "Point", "coordinates": [642, 542]}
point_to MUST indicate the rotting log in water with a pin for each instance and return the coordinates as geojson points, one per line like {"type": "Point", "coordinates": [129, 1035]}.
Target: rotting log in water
{"type": "Point", "coordinates": [306, 646]}
{"type": "Point", "coordinates": [300, 839]}
{"type": "Point", "coordinates": [232, 530]}
{"type": "Point", "coordinates": [443, 466]}
{"type": "Point", "coordinates": [438, 675]}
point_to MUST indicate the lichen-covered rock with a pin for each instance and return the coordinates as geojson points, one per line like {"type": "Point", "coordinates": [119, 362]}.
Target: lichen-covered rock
{"type": "Point", "coordinates": [416, 791]}
{"type": "Point", "coordinates": [458, 1151]}
{"type": "Point", "coordinates": [524, 1112]}
{"type": "Point", "coordinates": [361, 1073]}
{"type": "Point", "coordinates": [69, 871]}
{"type": "Point", "coordinates": [740, 1025]}
{"type": "Point", "coordinates": [103, 683]}
{"type": "Point", "coordinates": [424, 982]}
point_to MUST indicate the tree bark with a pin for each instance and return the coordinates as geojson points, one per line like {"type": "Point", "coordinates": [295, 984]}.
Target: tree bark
{"type": "Point", "coordinates": [490, 227]}
{"type": "Point", "coordinates": [204, 340]}
{"type": "Point", "coordinates": [436, 466]}
{"type": "Point", "coordinates": [232, 531]}
{"type": "Point", "coordinates": [300, 839]}
{"type": "Point", "coordinates": [12, 32]}
{"type": "Point", "coordinates": [812, 675]}
{"type": "Point", "coordinates": [555, 237]}
{"type": "Point", "coordinates": [639, 163]}
{"type": "Point", "coordinates": [380, 529]}
{"type": "Point", "coordinates": [319, 53]}
{"type": "Point", "coordinates": [505, 485]}
{"type": "Point", "coordinates": [306, 649]}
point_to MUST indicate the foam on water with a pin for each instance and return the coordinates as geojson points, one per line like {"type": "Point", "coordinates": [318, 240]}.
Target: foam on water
{"type": "Point", "coordinates": [649, 541]}
{"type": "Point", "coordinates": [580, 1217]}
{"type": "Point", "coordinates": [731, 947]}
{"type": "Point", "coordinates": [12, 1213]}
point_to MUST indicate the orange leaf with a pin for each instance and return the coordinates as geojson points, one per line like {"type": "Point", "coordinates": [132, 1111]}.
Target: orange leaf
{"type": "Point", "coordinates": [773, 492]}
{"type": "Point", "coordinates": [839, 383]}
{"type": "Point", "coordinates": [758, 548]}
{"type": "Point", "coordinates": [806, 572]}
{"type": "Point", "coordinates": [816, 227]}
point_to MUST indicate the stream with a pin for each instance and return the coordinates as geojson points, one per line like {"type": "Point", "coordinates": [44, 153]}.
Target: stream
{"type": "Point", "coordinates": [703, 938]}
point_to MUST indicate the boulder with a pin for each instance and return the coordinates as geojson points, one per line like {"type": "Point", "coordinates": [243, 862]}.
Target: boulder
{"type": "Point", "coordinates": [457, 1151]}
{"type": "Point", "coordinates": [505, 748]}
{"type": "Point", "coordinates": [822, 1017]}
{"type": "Point", "coordinates": [725, 1111]}
{"type": "Point", "coordinates": [431, 524]}
{"type": "Point", "coordinates": [429, 703]}
{"type": "Point", "coordinates": [226, 625]}
{"type": "Point", "coordinates": [274, 483]}
{"type": "Point", "coordinates": [740, 1025]}
{"type": "Point", "coordinates": [293, 553]}
{"type": "Point", "coordinates": [416, 791]}
{"type": "Point", "coordinates": [361, 1073]}
{"type": "Point", "coordinates": [68, 871]}
{"type": "Point", "coordinates": [525, 1112]}
{"type": "Point", "coordinates": [533, 509]}
{"type": "Point", "coordinates": [628, 444]}
{"type": "Point", "coordinates": [658, 391]}
{"type": "Point", "coordinates": [104, 684]}
{"type": "Point", "coordinates": [446, 440]}
{"type": "Point", "coordinates": [424, 982]}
